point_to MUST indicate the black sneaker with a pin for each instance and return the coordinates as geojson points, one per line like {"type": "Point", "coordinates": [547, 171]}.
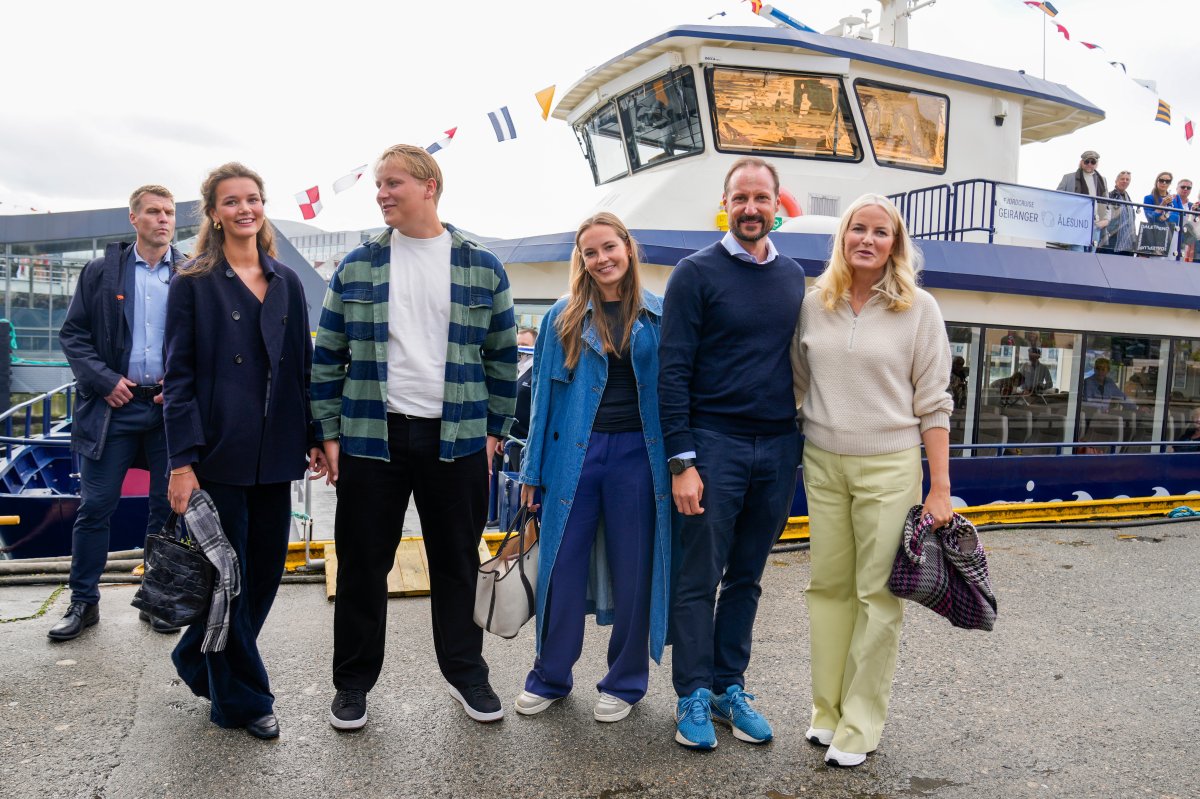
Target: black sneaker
{"type": "Point", "coordinates": [479, 700]}
{"type": "Point", "coordinates": [349, 710]}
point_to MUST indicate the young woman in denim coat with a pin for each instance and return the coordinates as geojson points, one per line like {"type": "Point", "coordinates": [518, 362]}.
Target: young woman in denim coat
{"type": "Point", "coordinates": [595, 449]}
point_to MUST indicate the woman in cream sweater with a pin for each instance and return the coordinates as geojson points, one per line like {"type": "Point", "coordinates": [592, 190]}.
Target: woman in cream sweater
{"type": "Point", "coordinates": [871, 362]}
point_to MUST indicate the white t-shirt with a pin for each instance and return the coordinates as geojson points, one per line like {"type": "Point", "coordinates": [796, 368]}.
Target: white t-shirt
{"type": "Point", "coordinates": [1089, 178]}
{"type": "Point", "coordinates": [418, 324]}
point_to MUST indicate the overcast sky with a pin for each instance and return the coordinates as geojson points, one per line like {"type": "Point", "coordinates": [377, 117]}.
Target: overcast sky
{"type": "Point", "coordinates": [101, 97]}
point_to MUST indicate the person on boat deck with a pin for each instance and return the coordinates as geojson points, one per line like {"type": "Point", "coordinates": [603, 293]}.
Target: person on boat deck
{"type": "Point", "coordinates": [236, 410]}
{"type": "Point", "coordinates": [866, 330]}
{"type": "Point", "coordinates": [1161, 196]}
{"type": "Point", "coordinates": [113, 339]}
{"type": "Point", "coordinates": [1120, 235]}
{"type": "Point", "coordinates": [1190, 222]}
{"type": "Point", "coordinates": [1087, 180]}
{"type": "Point", "coordinates": [595, 449]}
{"type": "Point", "coordinates": [414, 387]}
{"type": "Point", "coordinates": [729, 427]}
{"type": "Point", "coordinates": [1036, 376]}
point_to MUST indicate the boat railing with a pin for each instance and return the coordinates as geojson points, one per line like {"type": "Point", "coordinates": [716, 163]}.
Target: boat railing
{"type": "Point", "coordinates": [950, 211]}
{"type": "Point", "coordinates": [23, 415]}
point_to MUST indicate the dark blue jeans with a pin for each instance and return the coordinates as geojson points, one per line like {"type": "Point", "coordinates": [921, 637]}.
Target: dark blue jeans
{"type": "Point", "coordinates": [256, 520]}
{"type": "Point", "coordinates": [748, 486]}
{"type": "Point", "coordinates": [133, 428]}
{"type": "Point", "coordinates": [616, 486]}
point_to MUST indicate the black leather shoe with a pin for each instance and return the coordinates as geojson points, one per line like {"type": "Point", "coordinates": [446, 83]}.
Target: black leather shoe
{"type": "Point", "coordinates": [265, 728]}
{"type": "Point", "coordinates": [78, 616]}
{"type": "Point", "coordinates": [157, 624]}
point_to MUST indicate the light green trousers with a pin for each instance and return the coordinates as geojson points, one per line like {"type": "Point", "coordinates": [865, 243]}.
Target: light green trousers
{"type": "Point", "coordinates": [856, 508]}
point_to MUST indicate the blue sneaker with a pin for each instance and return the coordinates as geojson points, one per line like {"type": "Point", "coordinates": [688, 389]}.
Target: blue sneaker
{"type": "Point", "coordinates": [732, 708]}
{"type": "Point", "coordinates": [693, 720]}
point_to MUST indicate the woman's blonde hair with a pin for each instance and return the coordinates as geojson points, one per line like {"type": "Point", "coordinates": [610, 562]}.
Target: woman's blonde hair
{"type": "Point", "coordinates": [210, 243]}
{"type": "Point", "coordinates": [584, 291]}
{"type": "Point", "coordinates": [898, 286]}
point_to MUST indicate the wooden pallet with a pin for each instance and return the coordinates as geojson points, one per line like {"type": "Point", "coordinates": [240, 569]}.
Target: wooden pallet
{"type": "Point", "coordinates": [410, 572]}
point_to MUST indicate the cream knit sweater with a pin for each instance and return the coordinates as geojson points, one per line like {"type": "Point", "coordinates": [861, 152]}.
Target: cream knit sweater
{"type": "Point", "coordinates": [871, 384]}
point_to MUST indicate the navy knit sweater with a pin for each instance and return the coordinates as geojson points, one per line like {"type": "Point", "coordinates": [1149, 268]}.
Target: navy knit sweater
{"type": "Point", "coordinates": [727, 329]}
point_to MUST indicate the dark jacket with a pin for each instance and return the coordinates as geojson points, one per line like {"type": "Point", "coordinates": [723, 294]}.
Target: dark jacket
{"type": "Point", "coordinates": [520, 427]}
{"type": "Point", "coordinates": [236, 393]}
{"type": "Point", "coordinates": [96, 337]}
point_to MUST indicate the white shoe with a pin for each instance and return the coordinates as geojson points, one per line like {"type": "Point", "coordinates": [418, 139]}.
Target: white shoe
{"type": "Point", "coordinates": [610, 708]}
{"type": "Point", "coordinates": [819, 737]}
{"type": "Point", "coordinates": [529, 704]}
{"type": "Point", "coordinates": [836, 757]}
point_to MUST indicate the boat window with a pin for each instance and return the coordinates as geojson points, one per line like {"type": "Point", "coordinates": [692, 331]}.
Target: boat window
{"type": "Point", "coordinates": [662, 120]}
{"type": "Point", "coordinates": [906, 127]}
{"type": "Point", "coordinates": [964, 350]}
{"type": "Point", "coordinates": [1027, 393]}
{"type": "Point", "coordinates": [1183, 408]}
{"type": "Point", "coordinates": [600, 137]}
{"type": "Point", "coordinates": [781, 114]}
{"type": "Point", "coordinates": [1123, 393]}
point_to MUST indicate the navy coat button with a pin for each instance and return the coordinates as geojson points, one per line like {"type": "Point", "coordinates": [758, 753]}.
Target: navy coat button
{"type": "Point", "coordinates": [237, 359]}
{"type": "Point", "coordinates": [237, 315]}
{"type": "Point", "coordinates": [229, 272]}
{"type": "Point", "coordinates": [285, 320]}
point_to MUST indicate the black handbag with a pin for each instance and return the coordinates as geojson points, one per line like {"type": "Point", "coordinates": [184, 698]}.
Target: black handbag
{"type": "Point", "coordinates": [177, 580]}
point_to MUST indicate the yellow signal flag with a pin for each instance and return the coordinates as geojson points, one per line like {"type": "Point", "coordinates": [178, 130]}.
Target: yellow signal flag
{"type": "Point", "coordinates": [545, 97]}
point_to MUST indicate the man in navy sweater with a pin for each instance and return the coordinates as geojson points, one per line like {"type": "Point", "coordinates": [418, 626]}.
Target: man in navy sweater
{"type": "Point", "coordinates": [729, 423]}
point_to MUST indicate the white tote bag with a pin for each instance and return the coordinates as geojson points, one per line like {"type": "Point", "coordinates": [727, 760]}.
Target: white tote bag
{"type": "Point", "coordinates": [505, 589]}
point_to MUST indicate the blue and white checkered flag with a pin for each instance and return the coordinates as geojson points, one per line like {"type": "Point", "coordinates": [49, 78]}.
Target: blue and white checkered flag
{"type": "Point", "coordinates": [503, 125]}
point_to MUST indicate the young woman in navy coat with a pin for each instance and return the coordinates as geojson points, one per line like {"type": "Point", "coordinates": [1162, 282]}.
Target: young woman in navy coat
{"type": "Point", "coordinates": [238, 425]}
{"type": "Point", "coordinates": [595, 448]}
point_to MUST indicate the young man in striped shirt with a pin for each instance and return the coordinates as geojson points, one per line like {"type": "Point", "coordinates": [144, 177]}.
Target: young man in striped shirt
{"type": "Point", "coordinates": [413, 388]}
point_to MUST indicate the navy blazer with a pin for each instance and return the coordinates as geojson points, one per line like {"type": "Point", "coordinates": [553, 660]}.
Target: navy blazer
{"type": "Point", "coordinates": [236, 392]}
{"type": "Point", "coordinates": [96, 337]}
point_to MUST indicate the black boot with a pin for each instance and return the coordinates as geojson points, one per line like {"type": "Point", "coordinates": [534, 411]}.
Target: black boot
{"type": "Point", "coordinates": [157, 624]}
{"type": "Point", "coordinates": [78, 616]}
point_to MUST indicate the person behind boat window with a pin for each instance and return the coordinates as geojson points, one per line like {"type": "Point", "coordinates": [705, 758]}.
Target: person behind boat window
{"type": "Point", "coordinates": [1191, 227]}
{"type": "Point", "coordinates": [238, 426]}
{"type": "Point", "coordinates": [1035, 375]}
{"type": "Point", "coordinates": [1120, 235]}
{"type": "Point", "coordinates": [1162, 197]}
{"type": "Point", "coordinates": [1088, 180]}
{"type": "Point", "coordinates": [113, 339]}
{"type": "Point", "coordinates": [413, 408]}
{"type": "Point", "coordinates": [958, 382]}
{"type": "Point", "coordinates": [1190, 434]}
{"type": "Point", "coordinates": [1010, 389]}
{"type": "Point", "coordinates": [862, 461]}
{"type": "Point", "coordinates": [1100, 392]}
{"type": "Point", "coordinates": [729, 422]}
{"type": "Point", "coordinates": [595, 449]}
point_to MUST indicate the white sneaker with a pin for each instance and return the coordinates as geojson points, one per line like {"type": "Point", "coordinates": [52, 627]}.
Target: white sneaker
{"type": "Point", "coordinates": [529, 704]}
{"type": "Point", "coordinates": [836, 757]}
{"type": "Point", "coordinates": [610, 708]}
{"type": "Point", "coordinates": [819, 737]}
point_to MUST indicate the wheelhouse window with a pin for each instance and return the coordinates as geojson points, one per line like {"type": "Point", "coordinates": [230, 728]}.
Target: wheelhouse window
{"type": "Point", "coordinates": [661, 120]}
{"type": "Point", "coordinates": [906, 127]}
{"type": "Point", "coordinates": [658, 121]}
{"type": "Point", "coordinates": [782, 114]}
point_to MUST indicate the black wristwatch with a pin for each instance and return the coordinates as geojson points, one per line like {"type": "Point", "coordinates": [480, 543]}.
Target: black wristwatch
{"type": "Point", "coordinates": [680, 465]}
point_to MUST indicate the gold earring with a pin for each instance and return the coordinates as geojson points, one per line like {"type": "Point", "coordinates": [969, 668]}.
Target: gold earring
{"type": "Point", "coordinates": [217, 225]}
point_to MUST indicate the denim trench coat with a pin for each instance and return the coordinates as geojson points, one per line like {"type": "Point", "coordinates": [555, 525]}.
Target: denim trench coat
{"type": "Point", "coordinates": [563, 410]}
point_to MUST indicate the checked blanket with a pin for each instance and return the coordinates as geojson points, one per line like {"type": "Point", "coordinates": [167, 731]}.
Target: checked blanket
{"type": "Point", "coordinates": [945, 570]}
{"type": "Point", "coordinates": [204, 526]}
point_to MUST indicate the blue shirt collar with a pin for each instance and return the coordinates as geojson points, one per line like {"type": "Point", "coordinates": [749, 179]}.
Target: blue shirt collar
{"type": "Point", "coordinates": [138, 259]}
{"type": "Point", "coordinates": [735, 248]}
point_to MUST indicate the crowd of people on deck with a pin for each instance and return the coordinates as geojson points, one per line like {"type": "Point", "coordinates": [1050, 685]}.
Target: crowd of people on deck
{"type": "Point", "coordinates": [1164, 223]}
{"type": "Point", "coordinates": [663, 435]}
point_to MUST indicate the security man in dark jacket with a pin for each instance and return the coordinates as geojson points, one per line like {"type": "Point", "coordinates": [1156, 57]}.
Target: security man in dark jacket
{"type": "Point", "coordinates": [113, 339]}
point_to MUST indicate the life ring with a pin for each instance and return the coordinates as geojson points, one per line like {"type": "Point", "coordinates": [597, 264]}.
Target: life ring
{"type": "Point", "coordinates": [788, 201]}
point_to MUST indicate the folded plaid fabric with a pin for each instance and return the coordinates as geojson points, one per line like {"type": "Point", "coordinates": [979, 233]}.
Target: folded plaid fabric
{"type": "Point", "coordinates": [945, 570]}
{"type": "Point", "coordinates": [204, 526]}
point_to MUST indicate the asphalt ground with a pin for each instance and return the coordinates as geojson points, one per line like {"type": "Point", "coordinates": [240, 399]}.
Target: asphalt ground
{"type": "Point", "coordinates": [1086, 688]}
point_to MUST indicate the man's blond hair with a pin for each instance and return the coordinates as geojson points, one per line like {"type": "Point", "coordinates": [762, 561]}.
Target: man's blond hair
{"type": "Point", "coordinates": [415, 162]}
{"type": "Point", "coordinates": [135, 199]}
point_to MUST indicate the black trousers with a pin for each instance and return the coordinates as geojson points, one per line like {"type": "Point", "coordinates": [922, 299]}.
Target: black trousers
{"type": "Point", "coordinates": [452, 504]}
{"type": "Point", "coordinates": [256, 520]}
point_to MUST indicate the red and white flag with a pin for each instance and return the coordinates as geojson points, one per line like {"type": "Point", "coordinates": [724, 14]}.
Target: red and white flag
{"type": "Point", "coordinates": [1189, 130]}
{"type": "Point", "coordinates": [310, 202]}
{"type": "Point", "coordinates": [346, 181]}
{"type": "Point", "coordinates": [442, 144]}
